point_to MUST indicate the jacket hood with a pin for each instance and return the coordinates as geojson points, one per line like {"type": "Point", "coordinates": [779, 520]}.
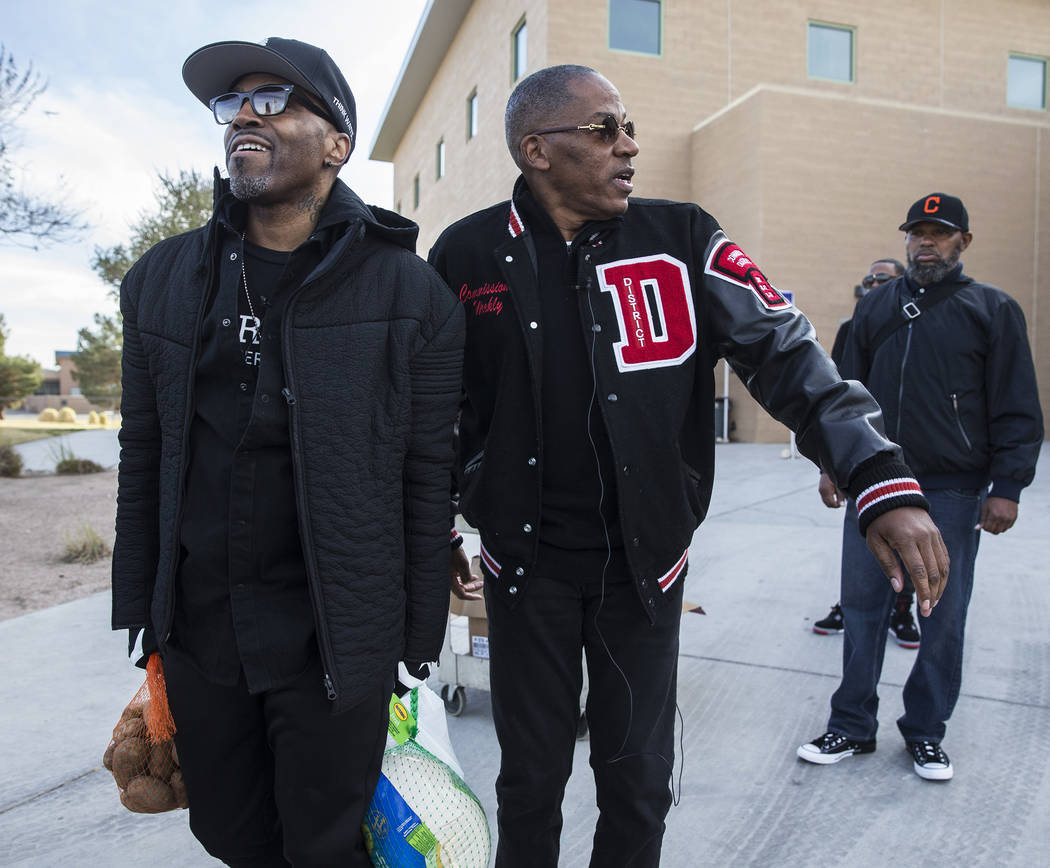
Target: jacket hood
{"type": "Point", "coordinates": [344, 206]}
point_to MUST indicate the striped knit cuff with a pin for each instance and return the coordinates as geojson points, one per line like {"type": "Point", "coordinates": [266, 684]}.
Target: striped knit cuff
{"type": "Point", "coordinates": [881, 484]}
{"type": "Point", "coordinates": [455, 539]}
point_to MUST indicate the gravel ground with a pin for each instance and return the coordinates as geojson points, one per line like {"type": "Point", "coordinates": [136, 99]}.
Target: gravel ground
{"type": "Point", "coordinates": [37, 515]}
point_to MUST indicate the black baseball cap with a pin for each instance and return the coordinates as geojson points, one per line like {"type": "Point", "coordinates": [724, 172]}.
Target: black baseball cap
{"type": "Point", "coordinates": [213, 69]}
{"type": "Point", "coordinates": [938, 208]}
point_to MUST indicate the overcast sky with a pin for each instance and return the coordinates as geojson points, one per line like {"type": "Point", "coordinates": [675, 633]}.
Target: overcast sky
{"type": "Point", "coordinates": [116, 112]}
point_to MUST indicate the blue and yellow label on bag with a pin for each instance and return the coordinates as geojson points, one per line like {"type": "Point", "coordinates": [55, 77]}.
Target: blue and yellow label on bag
{"type": "Point", "coordinates": [395, 835]}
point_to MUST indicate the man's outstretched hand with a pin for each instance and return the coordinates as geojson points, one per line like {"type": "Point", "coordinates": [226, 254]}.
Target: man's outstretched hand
{"type": "Point", "coordinates": [909, 532]}
{"type": "Point", "coordinates": [462, 583]}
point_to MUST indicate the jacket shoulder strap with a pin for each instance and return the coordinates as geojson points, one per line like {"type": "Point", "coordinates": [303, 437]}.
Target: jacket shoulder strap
{"type": "Point", "coordinates": [914, 309]}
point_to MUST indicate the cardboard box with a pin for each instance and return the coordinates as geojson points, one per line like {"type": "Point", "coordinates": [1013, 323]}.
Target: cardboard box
{"type": "Point", "coordinates": [477, 620]}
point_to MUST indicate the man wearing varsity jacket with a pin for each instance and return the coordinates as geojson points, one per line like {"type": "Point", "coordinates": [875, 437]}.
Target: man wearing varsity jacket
{"type": "Point", "coordinates": [586, 452]}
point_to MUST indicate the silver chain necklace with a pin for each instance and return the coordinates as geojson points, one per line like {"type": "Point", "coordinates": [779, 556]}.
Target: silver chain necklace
{"type": "Point", "coordinates": [244, 277]}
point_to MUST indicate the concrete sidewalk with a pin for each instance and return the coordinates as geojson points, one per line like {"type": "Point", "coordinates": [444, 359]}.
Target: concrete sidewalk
{"type": "Point", "coordinates": [754, 683]}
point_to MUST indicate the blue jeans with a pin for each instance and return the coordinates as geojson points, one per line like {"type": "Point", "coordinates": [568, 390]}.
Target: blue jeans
{"type": "Point", "coordinates": [932, 688]}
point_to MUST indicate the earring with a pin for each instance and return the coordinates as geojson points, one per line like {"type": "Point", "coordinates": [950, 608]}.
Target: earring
{"type": "Point", "coordinates": [328, 164]}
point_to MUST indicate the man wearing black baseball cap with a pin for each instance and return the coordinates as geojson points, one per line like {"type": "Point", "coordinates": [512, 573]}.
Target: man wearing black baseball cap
{"type": "Point", "coordinates": [291, 377]}
{"type": "Point", "coordinates": [948, 360]}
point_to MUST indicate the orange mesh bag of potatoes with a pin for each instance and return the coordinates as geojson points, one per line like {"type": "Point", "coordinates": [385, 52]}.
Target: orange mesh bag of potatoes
{"type": "Point", "coordinates": [141, 755]}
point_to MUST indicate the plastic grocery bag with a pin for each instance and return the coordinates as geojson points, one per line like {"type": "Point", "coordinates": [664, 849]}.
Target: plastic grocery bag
{"type": "Point", "coordinates": [141, 754]}
{"type": "Point", "coordinates": [423, 815]}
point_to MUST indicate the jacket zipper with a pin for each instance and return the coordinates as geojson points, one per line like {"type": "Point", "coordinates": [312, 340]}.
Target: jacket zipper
{"type": "Point", "coordinates": [958, 420]}
{"type": "Point", "coordinates": [312, 581]}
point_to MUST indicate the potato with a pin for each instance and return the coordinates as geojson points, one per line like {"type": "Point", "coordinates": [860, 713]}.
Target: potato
{"type": "Point", "coordinates": [147, 795]}
{"type": "Point", "coordinates": [136, 709]}
{"type": "Point", "coordinates": [130, 758]}
{"type": "Point", "coordinates": [107, 757]}
{"type": "Point", "coordinates": [161, 765]}
{"type": "Point", "coordinates": [178, 786]}
{"type": "Point", "coordinates": [133, 727]}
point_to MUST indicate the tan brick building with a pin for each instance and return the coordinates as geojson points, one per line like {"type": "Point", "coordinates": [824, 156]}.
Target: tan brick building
{"type": "Point", "coordinates": [806, 127]}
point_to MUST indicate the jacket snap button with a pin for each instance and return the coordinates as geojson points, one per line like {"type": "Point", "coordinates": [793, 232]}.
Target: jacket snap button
{"type": "Point", "coordinates": [527, 528]}
{"type": "Point", "coordinates": [520, 571]}
{"type": "Point", "coordinates": [645, 583]}
{"type": "Point", "coordinates": [652, 602]}
{"type": "Point", "coordinates": [534, 325]}
{"type": "Point", "coordinates": [226, 323]}
{"type": "Point", "coordinates": [613, 397]}
{"type": "Point", "coordinates": [513, 589]}
{"type": "Point", "coordinates": [597, 327]}
{"type": "Point", "coordinates": [233, 256]}
{"type": "Point", "coordinates": [532, 462]}
{"type": "Point", "coordinates": [635, 542]}
{"type": "Point", "coordinates": [265, 399]}
{"type": "Point", "coordinates": [509, 259]}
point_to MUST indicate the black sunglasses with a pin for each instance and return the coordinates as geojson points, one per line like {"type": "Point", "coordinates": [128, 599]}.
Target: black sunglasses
{"type": "Point", "coordinates": [609, 129]}
{"type": "Point", "coordinates": [266, 100]}
{"type": "Point", "coordinates": [871, 280]}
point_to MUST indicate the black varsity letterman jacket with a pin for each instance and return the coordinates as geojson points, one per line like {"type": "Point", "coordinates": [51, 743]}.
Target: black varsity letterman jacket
{"type": "Point", "coordinates": [663, 294]}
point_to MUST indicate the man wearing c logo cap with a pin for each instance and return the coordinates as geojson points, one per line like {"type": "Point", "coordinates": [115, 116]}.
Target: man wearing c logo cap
{"type": "Point", "coordinates": [948, 360]}
{"type": "Point", "coordinates": [291, 377]}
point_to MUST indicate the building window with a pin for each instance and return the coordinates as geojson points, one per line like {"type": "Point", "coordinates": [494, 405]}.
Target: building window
{"type": "Point", "coordinates": [1026, 82]}
{"type": "Point", "coordinates": [472, 115]}
{"type": "Point", "coordinates": [415, 192]}
{"type": "Point", "coordinates": [520, 50]}
{"type": "Point", "coordinates": [830, 52]}
{"type": "Point", "coordinates": [634, 25]}
{"type": "Point", "coordinates": [441, 159]}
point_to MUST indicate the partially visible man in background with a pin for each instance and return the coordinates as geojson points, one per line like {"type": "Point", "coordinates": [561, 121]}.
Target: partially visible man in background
{"type": "Point", "coordinates": [291, 376]}
{"type": "Point", "coordinates": [902, 624]}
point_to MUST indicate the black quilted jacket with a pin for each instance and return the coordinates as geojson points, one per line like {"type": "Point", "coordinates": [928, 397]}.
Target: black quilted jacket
{"type": "Point", "coordinates": [371, 439]}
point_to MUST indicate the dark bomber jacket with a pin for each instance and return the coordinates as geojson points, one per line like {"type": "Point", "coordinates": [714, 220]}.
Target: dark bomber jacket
{"type": "Point", "coordinates": [956, 384]}
{"type": "Point", "coordinates": [372, 350]}
{"type": "Point", "coordinates": [663, 295]}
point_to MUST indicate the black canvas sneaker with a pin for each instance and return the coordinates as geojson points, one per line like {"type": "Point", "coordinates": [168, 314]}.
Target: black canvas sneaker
{"type": "Point", "coordinates": [930, 761]}
{"type": "Point", "coordinates": [832, 747]}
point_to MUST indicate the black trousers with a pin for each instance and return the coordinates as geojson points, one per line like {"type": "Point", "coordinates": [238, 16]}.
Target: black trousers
{"type": "Point", "coordinates": [276, 779]}
{"type": "Point", "coordinates": [536, 677]}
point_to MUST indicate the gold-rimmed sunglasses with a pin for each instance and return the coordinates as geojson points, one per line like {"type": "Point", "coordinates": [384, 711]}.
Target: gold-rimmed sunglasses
{"type": "Point", "coordinates": [609, 129]}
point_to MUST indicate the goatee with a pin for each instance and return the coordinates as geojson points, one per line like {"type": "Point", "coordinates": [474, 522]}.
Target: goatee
{"type": "Point", "coordinates": [246, 187]}
{"type": "Point", "coordinates": [927, 275]}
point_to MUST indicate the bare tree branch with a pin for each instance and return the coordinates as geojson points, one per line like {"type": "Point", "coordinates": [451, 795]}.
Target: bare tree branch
{"type": "Point", "coordinates": [25, 218]}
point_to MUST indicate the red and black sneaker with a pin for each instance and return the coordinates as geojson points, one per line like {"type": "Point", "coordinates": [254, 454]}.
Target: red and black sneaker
{"type": "Point", "coordinates": [831, 624]}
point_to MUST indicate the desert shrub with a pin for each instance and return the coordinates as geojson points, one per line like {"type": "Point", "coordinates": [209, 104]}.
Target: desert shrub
{"type": "Point", "coordinates": [85, 546]}
{"type": "Point", "coordinates": [49, 414]}
{"type": "Point", "coordinates": [75, 466]}
{"type": "Point", "coordinates": [67, 414]}
{"type": "Point", "coordinates": [92, 418]}
{"type": "Point", "coordinates": [10, 461]}
{"type": "Point", "coordinates": [103, 419]}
